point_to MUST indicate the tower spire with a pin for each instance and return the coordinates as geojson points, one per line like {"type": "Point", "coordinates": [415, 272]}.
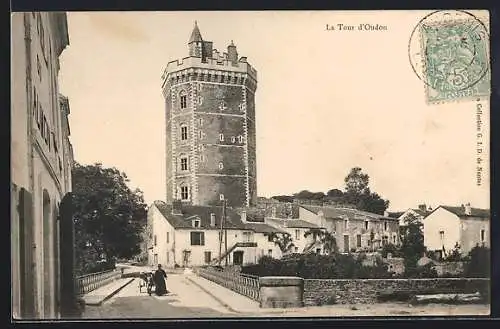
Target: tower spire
{"type": "Point", "coordinates": [195, 35]}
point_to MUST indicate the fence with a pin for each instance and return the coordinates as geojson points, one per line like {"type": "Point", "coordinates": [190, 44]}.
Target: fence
{"type": "Point", "coordinates": [244, 284]}
{"type": "Point", "coordinates": [87, 283]}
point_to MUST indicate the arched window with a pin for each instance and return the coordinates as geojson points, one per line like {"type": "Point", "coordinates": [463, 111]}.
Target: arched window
{"type": "Point", "coordinates": [221, 165]}
{"type": "Point", "coordinates": [183, 99]}
{"type": "Point", "coordinates": [221, 137]}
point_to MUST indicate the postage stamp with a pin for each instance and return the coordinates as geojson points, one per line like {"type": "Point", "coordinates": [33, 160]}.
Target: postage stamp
{"type": "Point", "coordinates": [454, 59]}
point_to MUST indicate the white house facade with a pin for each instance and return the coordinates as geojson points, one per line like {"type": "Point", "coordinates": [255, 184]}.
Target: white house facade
{"type": "Point", "coordinates": [448, 226]}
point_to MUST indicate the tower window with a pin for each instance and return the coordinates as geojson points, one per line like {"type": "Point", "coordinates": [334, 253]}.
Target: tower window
{"type": "Point", "coordinates": [202, 158]}
{"type": "Point", "coordinates": [221, 197]}
{"type": "Point", "coordinates": [385, 226]}
{"type": "Point", "coordinates": [221, 165]}
{"type": "Point", "coordinates": [482, 236]}
{"type": "Point", "coordinates": [183, 101]}
{"type": "Point", "coordinates": [184, 193]}
{"type": "Point", "coordinates": [184, 163]}
{"type": "Point", "coordinates": [233, 139]}
{"type": "Point", "coordinates": [221, 137]}
{"type": "Point", "coordinates": [200, 134]}
{"type": "Point", "coordinates": [240, 139]}
{"type": "Point", "coordinates": [184, 133]}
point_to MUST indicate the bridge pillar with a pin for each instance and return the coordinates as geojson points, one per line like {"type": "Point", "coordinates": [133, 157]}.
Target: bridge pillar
{"type": "Point", "coordinates": [281, 292]}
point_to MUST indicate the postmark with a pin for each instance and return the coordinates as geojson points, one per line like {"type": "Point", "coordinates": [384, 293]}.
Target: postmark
{"type": "Point", "coordinates": [448, 51]}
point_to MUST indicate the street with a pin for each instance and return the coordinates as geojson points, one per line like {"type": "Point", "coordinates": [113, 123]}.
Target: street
{"type": "Point", "coordinates": [184, 300]}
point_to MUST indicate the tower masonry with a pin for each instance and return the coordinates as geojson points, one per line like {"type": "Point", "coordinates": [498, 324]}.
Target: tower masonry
{"type": "Point", "coordinates": [210, 126]}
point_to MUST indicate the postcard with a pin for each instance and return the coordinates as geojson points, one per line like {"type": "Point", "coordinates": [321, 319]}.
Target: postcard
{"type": "Point", "coordinates": [250, 164]}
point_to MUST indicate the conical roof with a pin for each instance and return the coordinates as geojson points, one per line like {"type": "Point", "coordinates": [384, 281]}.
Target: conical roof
{"type": "Point", "coordinates": [195, 35]}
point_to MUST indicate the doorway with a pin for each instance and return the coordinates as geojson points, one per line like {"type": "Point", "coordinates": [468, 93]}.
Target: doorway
{"type": "Point", "coordinates": [346, 243]}
{"type": "Point", "coordinates": [238, 258]}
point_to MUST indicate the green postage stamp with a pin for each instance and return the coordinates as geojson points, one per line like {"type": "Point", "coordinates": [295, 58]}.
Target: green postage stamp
{"type": "Point", "coordinates": [453, 56]}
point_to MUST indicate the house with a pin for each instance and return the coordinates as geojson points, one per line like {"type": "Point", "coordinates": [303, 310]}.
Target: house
{"type": "Point", "coordinates": [41, 157]}
{"type": "Point", "coordinates": [186, 235]}
{"type": "Point", "coordinates": [297, 229]}
{"type": "Point", "coordinates": [419, 213]}
{"type": "Point", "coordinates": [352, 228]}
{"type": "Point", "coordinates": [446, 226]}
{"type": "Point", "coordinates": [263, 235]}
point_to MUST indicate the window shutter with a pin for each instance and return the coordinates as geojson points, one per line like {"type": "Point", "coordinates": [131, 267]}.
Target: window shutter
{"type": "Point", "coordinates": [202, 238]}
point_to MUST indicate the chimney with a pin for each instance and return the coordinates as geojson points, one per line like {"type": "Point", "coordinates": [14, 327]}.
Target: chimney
{"type": "Point", "coordinates": [422, 207]}
{"type": "Point", "coordinates": [467, 209]}
{"type": "Point", "coordinates": [176, 207]}
{"type": "Point", "coordinates": [232, 54]}
{"type": "Point", "coordinates": [386, 213]}
{"type": "Point", "coordinates": [244, 216]}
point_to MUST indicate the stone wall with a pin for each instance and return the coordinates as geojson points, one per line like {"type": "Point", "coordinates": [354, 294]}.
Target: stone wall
{"type": "Point", "coordinates": [366, 291]}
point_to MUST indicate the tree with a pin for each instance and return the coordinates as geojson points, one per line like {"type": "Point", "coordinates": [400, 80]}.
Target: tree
{"type": "Point", "coordinates": [356, 182]}
{"type": "Point", "coordinates": [357, 192]}
{"type": "Point", "coordinates": [283, 198]}
{"type": "Point", "coordinates": [284, 241]}
{"type": "Point", "coordinates": [412, 246]}
{"type": "Point", "coordinates": [334, 193]}
{"type": "Point", "coordinates": [109, 216]}
{"type": "Point", "coordinates": [478, 265]}
{"type": "Point", "coordinates": [325, 238]}
{"type": "Point", "coordinates": [308, 195]}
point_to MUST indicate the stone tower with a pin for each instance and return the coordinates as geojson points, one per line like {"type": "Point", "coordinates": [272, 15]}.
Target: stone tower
{"type": "Point", "coordinates": [210, 126]}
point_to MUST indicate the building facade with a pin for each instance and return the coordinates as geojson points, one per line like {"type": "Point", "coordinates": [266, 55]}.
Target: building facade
{"type": "Point", "coordinates": [41, 158]}
{"type": "Point", "coordinates": [354, 230]}
{"type": "Point", "coordinates": [448, 226]}
{"type": "Point", "coordinates": [183, 235]}
{"type": "Point", "coordinates": [210, 126]}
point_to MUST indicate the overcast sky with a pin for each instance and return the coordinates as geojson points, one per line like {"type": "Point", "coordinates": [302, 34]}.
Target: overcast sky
{"type": "Point", "coordinates": [326, 101]}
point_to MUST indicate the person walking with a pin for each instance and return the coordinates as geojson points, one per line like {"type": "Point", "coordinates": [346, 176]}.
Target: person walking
{"type": "Point", "coordinates": [159, 279]}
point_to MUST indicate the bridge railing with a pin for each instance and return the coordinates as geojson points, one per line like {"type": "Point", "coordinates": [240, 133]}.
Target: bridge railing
{"type": "Point", "coordinates": [86, 283]}
{"type": "Point", "coordinates": [244, 284]}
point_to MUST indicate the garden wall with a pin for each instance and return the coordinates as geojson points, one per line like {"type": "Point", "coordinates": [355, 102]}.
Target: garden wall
{"type": "Point", "coordinates": [366, 291]}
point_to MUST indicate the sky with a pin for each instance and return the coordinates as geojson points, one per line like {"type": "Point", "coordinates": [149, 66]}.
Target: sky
{"type": "Point", "coordinates": [326, 101]}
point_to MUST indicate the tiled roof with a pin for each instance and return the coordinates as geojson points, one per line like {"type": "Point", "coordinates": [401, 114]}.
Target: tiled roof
{"type": "Point", "coordinates": [263, 228]}
{"type": "Point", "coordinates": [396, 214]}
{"type": "Point", "coordinates": [475, 212]}
{"type": "Point", "coordinates": [233, 220]}
{"type": "Point", "coordinates": [292, 223]}
{"type": "Point", "coordinates": [340, 213]}
{"type": "Point", "coordinates": [422, 212]}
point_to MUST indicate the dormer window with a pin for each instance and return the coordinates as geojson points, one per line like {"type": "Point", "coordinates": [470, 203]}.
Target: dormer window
{"type": "Point", "coordinates": [346, 224]}
{"type": "Point", "coordinates": [212, 219]}
{"type": "Point", "coordinates": [221, 197]}
{"type": "Point", "coordinates": [366, 224]}
{"type": "Point", "coordinates": [196, 223]}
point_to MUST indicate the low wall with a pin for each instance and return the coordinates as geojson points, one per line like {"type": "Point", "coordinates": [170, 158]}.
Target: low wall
{"type": "Point", "coordinates": [365, 291]}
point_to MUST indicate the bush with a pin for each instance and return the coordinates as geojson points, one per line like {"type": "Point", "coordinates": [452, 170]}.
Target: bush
{"type": "Point", "coordinates": [422, 272]}
{"type": "Point", "coordinates": [478, 265]}
{"type": "Point", "coordinates": [392, 249]}
{"type": "Point", "coordinates": [314, 266]}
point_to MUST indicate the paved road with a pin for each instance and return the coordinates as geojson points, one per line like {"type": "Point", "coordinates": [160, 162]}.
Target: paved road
{"type": "Point", "coordinates": [184, 300]}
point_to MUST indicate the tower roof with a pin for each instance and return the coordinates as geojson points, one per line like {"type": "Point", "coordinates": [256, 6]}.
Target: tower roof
{"type": "Point", "coordinates": [195, 35]}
